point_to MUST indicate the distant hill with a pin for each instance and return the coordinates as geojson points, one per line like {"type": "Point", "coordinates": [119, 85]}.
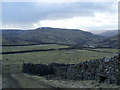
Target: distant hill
{"type": "Point", "coordinates": [111, 41]}
{"type": "Point", "coordinates": [97, 31]}
{"type": "Point", "coordinates": [108, 33]}
{"type": "Point", "coordinates": [49, 35]}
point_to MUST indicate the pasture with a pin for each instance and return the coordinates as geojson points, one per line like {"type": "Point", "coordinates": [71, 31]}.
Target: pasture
{"type": "Point", "coordinates": [72, 56]}
{"type": "Point", "coordinates": [12, 63]}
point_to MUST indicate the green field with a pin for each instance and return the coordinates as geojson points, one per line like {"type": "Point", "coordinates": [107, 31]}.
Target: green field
{"type": "Point", "coordinates": [12, 63]}
{"type": "Point", "coordinates": [108, 50]}
{"type": "Point", "coordinates": [32, 47]}
{"type": "Point", "coordinates": [72, 56]}
{"type": "Point", "coordinates": [63, 56]}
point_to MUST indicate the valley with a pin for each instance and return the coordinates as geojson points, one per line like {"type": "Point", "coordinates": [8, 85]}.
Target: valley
{"type": "Point", "coordinates": [12, 65]}
{"type": "Point", "coordinates": [51, 45]}
{"type": "Point", "coordinates": [64, 44]}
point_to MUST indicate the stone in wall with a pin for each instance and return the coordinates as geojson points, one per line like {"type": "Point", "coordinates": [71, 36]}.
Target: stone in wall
{"type": "Point", "coordinates": [36, 69]}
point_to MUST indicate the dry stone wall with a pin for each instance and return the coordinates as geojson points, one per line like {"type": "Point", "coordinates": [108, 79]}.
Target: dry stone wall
{"type": "Point", "coordinates": [103, 70]}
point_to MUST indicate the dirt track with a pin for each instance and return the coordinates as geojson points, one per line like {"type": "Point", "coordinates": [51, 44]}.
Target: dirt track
{"type": "Point", "coordinates": [22, 81]}
{"type": "Point", "coordinates": [28, 81]}
{"type": "Point", "coordinates": [10, 82]}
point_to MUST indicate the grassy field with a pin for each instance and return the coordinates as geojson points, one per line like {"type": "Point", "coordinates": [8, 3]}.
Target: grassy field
{"type": "Point", "coordinates": [12, 63]}
{"type": "Point", "coordinates": [63, 56]}
{"type": "Point", "coordinates": [33, 47]}
{"type": "Point", "coordinates": [107, 49]}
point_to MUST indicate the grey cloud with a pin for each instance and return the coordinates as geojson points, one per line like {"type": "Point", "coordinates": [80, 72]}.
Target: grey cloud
{"type": "Point", "coordinates": [29, 12]}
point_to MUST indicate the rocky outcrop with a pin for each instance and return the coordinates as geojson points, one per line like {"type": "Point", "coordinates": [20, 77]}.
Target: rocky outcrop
{"type": "Point", "coordinates": [103, 70]}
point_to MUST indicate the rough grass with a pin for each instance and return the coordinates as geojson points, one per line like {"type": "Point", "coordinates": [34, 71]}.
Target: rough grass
{"type": "Point", "coordinates": [30, 81]}
{"type": "Point", "coordinates": [12, 63]}
{"type": "Point", "coordinates": [107, 49]}
{"type": "Point", "coordinates": [63, 83]}
{"type": "Point", "coordinates": [45, 57]}
{"type": "Point", "coordinates": [33, 47]}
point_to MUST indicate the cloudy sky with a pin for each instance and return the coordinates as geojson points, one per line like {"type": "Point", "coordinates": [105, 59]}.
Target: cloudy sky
{"type": "Point", "coordinates": [72, 15]}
